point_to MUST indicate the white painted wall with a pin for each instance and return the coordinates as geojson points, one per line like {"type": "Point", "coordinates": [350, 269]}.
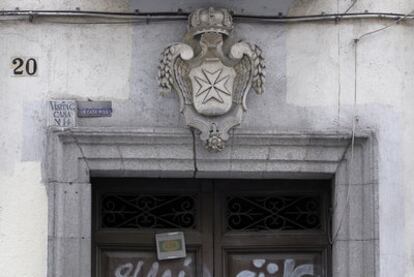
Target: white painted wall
{"type": "Point", "coordinates": [310, 88]}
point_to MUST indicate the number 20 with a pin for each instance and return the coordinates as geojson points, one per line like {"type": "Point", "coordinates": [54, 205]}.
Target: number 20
{"type": "Point", "coordinates": [21, 66]}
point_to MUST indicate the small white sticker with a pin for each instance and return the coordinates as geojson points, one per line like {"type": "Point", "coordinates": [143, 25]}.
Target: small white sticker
{"type": "Point", "coordinates": [170, 246]}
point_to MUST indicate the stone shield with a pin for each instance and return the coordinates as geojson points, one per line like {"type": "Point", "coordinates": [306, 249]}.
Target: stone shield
{"type": "Point", "coordinates": [212, 84]}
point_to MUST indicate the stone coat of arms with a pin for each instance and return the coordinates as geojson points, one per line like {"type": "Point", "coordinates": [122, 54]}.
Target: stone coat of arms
{"type": "Point", "coordinates": [212, 75]}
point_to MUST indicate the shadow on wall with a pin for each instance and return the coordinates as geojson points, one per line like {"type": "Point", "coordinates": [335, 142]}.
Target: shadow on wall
{"type": "Point", "coordinates": [263, 7]}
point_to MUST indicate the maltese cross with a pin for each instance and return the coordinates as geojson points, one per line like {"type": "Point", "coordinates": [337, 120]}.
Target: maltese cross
{"type": "Point", "coordinates": [212, 84]}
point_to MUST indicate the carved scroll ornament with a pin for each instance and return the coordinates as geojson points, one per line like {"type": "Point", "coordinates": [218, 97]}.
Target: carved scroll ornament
{"type": "Point", "coordinates": [212, 75]}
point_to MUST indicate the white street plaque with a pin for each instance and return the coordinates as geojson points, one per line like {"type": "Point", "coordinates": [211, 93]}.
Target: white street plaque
{"type": "Point", "coordinates": [62, 113]}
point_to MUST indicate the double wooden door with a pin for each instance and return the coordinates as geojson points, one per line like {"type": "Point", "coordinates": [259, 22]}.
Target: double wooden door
{"type": "Point", "coordinates": [232, 228]}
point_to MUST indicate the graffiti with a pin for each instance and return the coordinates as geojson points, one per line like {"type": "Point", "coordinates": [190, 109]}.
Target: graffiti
{"type": "Point", "coordinates": [273, 268]}
{"type": "Point", "coordinates": [263, 268]}
{"type": "Point", "coordinates": [129, 270]}
{"type": "Point", "coordinates": [302, 270]}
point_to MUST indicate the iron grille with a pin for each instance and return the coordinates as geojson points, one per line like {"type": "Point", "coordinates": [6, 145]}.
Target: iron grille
{"type": "Point", "coordinates": [270, 212]}
{"type": "Point", "coordinates": [141, 211]}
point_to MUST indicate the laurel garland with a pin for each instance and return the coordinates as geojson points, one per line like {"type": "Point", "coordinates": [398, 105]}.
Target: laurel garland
{"type": "Point", "coordinates": [259, 72]}
{"type": "Point", "coordinates": [165, 70]}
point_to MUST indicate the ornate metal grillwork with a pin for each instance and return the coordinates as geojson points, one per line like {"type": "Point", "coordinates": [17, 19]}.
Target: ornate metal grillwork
{"type": "Point", "coordinates": [256, 213]}
{"type": "Point", "coordinates": [141, 211]}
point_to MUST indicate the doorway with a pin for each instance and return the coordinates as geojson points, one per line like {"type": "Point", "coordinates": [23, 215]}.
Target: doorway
{"type": "Point", "coordinates": [232, 228]}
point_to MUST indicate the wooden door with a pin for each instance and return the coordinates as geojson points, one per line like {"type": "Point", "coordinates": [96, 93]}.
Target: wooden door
{"type": "Point", "coordinates": [128, 214]}
{"type": "Point", "coordinates": [237, 228]}
{"type": "Point", "coordinates": [271, 228]}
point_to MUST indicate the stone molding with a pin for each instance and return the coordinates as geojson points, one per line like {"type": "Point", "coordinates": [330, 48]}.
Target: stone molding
{"type": "Point", "coordinates": [77, 154]}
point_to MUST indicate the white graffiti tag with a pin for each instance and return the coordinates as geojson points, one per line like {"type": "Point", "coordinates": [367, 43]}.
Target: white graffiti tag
{"type": "Point", "coordinates": [272, 268]}
{"type": "Point", "coordinates": [127, 270]}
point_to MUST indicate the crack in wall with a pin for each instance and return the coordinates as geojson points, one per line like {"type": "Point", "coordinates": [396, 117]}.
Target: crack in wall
{"type": "Point", "coordinates": [194, 153]}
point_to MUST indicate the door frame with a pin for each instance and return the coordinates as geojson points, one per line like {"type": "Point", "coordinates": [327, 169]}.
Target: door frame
{"type": "Point", "coordinates": [74, 155]}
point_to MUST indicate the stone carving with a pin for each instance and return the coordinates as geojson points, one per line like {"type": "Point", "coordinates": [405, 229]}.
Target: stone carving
{"type": "Point", "coordinates": [212, 75]}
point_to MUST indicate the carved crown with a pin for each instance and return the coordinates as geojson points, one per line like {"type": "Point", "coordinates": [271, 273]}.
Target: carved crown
{"type": "Point", "coordinates": [210, 20]}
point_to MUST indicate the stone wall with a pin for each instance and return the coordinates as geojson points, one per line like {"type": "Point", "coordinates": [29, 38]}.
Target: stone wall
{"type": "Point", "coordinates": [310, 89]}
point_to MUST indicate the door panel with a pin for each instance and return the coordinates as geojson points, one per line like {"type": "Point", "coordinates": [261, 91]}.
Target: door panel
{"type": "Point", "coordinates": [129, 212]}
{"type": "Point", "coordinates": [272, 228]}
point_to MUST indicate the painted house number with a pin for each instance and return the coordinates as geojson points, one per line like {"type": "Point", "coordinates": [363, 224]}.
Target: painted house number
{"type": "Point", "coordinates": [22, 66]}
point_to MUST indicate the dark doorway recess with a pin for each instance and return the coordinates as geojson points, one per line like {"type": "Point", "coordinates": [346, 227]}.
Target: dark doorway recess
{"type": "Point", "coordinates": [232, 228]}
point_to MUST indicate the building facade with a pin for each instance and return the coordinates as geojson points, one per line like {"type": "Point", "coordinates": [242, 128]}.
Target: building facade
{"type": "Point", "coordinates": [312, 177]}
